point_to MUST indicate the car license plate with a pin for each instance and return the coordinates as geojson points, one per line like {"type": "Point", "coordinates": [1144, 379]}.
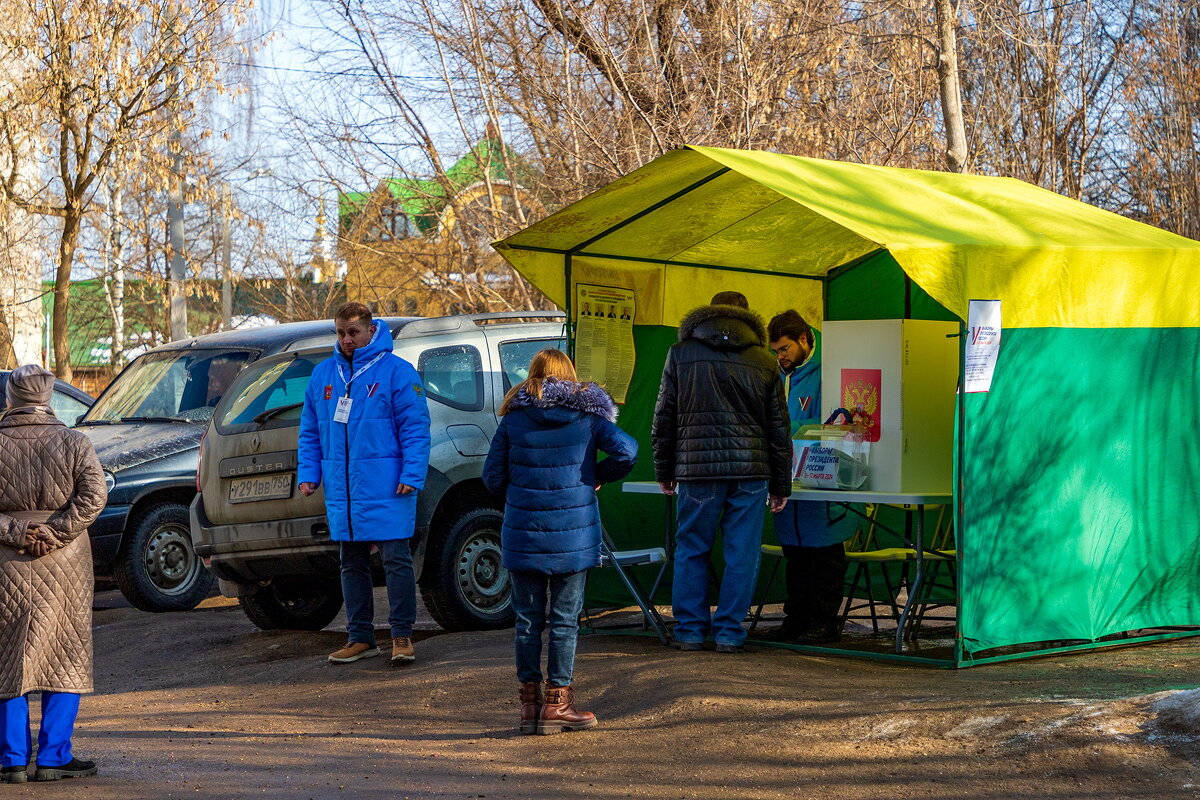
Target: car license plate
{"type": "Point", "coordinates": [264, 487]}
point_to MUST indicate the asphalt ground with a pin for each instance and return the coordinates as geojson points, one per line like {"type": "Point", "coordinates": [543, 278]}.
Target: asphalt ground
{"type": "Point", "coordinates": [204, 705]}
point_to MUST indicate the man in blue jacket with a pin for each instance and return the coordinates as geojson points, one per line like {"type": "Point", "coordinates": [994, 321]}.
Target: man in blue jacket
{"type": "Point", "coordinates": [364, 433]}
{"type": "Point", "coordinates": [816, 559]}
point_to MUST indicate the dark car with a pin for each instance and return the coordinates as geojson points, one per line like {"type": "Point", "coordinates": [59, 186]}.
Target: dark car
{"type": "Point", "coordinates": [67, 402]}
{"type": "Point", "coordinates": [146, 427]}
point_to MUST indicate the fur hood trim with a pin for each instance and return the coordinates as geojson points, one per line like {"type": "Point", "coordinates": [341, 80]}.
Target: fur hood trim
{"type": "Point", "coordinates": [588, 397]}
{"type": "Point", "coordinates": [698, 316]}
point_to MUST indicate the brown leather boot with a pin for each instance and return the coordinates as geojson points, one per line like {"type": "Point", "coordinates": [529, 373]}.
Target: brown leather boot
{"type": "Point", "coordinates": [531, 706]}
{"type": "Point", "coordinates": [559, 714]}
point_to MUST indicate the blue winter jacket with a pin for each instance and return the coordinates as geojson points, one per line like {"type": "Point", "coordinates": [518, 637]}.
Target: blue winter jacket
{"type": "Point", "coordinates": [805, 524]}
{"type": "Point", "coordinates": [543, 463]}
{"type": "Point", "coordinates": [804, 392]}
{"type": "Point", "coordinates": [385, 442]}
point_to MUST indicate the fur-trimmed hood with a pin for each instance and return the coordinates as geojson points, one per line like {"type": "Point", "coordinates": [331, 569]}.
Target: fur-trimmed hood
{"type": "Point", "coordinates": [588, 398]}
{"type": "Point", "coordinates": [724, 327]}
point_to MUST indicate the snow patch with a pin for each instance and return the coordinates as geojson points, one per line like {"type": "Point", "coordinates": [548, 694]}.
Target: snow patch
{"type": "Point", "coordinates": [1178, 712]}
{"type": "Point", "coordinates": [975, 726]}
{"type": "Point", "coordinates": [892, 728]}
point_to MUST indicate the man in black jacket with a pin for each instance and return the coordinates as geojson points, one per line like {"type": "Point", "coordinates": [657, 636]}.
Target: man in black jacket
{"type": "Point", "coordinates": [720, 438]}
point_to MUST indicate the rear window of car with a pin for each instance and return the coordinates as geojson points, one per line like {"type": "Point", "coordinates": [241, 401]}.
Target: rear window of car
{"type": "Point", "coordinates": [516, 355]}
{"type": "Point", "coordinates": [453, 376]}
{"type": "Point", "coordinates": [269, 394]}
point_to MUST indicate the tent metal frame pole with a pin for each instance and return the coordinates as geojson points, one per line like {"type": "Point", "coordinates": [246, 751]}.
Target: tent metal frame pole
{"type": "Point", "coordinates": [957, 516]}
{"type": "Point", "coordinates": [664, 261]}
{"type": "Point", "coordinates": [569, 307]}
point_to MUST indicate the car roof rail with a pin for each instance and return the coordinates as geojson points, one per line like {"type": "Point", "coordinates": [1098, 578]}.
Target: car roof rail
{"type": "Point", "coordinates": [459, 322]}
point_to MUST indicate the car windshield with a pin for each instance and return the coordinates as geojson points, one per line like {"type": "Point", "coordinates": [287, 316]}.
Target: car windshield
{"type": "Point", "coordinates": [175, 386]}
{"type": "Point", "coordinates": [272, 390]}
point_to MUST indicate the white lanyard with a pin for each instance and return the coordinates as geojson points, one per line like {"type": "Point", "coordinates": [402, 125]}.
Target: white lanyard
{"type": "Point", "coordinates": [358, 371]}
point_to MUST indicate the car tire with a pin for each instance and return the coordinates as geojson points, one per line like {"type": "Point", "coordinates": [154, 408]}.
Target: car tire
{"type": "Point", "coordinates": [157, 567]}
{"type": "Point", "coordinates": [297, 604]}
{"type": "Point", "coordinates": [464, 585]}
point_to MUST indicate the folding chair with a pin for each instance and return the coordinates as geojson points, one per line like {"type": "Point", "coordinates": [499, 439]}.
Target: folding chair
{"type": "Point", "coordinates": [622, 561]}
{"type": "Point", "coordinates": [777, 552]}
{"type": "Point", "coordinates": [941, 557]}
{"type": "Point", "coordinates": [863, 553]}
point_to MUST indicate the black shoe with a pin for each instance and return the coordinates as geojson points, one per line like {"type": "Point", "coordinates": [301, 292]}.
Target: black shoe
{"type": "Point", "coordinates": [75, 769]}
{"type": "Point", "coordinates": [14, 774]}
{"type": "Point", "coordinates": [688, 646]}
{"type": "Point", "coordinates": [784, 633]}
{"type": "Point", "coordinates": [826, 635]}
{"type": "Point", "coordinates": [730, 648]}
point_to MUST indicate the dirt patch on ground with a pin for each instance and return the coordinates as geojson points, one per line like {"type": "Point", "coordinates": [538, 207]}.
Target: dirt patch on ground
{"type": "Point", "coordinates": [204, 705]}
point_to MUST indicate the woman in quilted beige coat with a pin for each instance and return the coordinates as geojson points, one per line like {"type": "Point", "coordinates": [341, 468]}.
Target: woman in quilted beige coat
{"type": "Point", "coordinates": [51, 489]}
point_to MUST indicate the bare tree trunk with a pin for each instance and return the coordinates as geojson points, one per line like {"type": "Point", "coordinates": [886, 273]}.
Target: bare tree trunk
{"type": "Point", "coordinates": [62, 292]}
{"type": "Point", "coordinates": [114, 281]}
{"type": "Point", "coordinates": [8, 356]}
{"type": "Point", "coordinates": [952, 114]}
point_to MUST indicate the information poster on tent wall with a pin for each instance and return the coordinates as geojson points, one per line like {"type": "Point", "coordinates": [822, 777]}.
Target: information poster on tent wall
{"type": "Point", "coordinates": [604, 350]}
{"type": "Point", "coordinates": [983, 344]}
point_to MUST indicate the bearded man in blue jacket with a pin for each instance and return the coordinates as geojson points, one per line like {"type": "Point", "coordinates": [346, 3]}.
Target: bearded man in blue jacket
{"type": "Point", "coordinates": [364, 433]}
{"type": "Point", "coordinates": [816, 558]}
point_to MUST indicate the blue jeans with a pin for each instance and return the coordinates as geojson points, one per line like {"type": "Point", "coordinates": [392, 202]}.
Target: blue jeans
{"type": "Point", "coordinates": [59, 710]}
{"type": "Point", "coordinates": [358, 588]}
{"type": "Point", "coordinates": [529, 595]}
{"type": "Point", "coordinates": [738, 507]}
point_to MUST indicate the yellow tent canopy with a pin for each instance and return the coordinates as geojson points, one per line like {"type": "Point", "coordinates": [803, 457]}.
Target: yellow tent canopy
{"type": "Point", "coordinates": [748, 218]}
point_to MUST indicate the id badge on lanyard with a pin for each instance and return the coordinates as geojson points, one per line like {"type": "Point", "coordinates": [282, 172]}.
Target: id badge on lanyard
{"type": "Point", "coordinates": [342, 412]}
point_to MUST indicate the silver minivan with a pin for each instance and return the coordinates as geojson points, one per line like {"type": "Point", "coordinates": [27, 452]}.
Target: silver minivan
{"type": "Point", "coordinates": [269, 546]}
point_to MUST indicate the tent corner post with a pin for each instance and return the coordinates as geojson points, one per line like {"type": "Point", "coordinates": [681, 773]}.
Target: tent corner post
{"type": "Point", "coordinates": [569, 305]}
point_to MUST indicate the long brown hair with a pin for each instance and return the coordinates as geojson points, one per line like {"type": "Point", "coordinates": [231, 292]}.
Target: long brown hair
{"type": "Point", "coordinates": [548, 363]}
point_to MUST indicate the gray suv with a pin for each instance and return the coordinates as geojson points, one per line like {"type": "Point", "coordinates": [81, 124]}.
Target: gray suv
{"type": "Point", "coordinates": [269, 545]}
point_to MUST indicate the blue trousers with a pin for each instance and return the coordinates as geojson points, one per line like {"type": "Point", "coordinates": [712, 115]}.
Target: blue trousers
{"type": "Point", "coordinates": [358, 588]}
{"type": "Point", "coordinates": [530, 591]}
{"type": "Point", "coordinates": [737, 507]}
{"type": "Point", "coordinates": [59, 710]}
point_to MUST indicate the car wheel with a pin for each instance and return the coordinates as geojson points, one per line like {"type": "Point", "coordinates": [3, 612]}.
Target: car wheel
{"type": "Point", "coordinates": [464, 585]}
{"type": "Point", "coordinates": [299, 604]}
{"type": "Point", "coordinates": [157, 567]}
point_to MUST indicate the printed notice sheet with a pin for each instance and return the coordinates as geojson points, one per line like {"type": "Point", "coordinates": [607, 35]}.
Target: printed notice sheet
{"type": "Point", "coordinates": [983, 344]}
{"type": "Point", "coordinates": [604, 350]}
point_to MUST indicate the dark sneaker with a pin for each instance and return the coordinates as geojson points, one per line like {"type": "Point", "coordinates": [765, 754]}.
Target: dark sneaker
{"type": "Point", "coordinates": [784, 633]}
{"type": "Point", "coordinates": [75, 769]}
{"type": "Point", "coordinates": [730, 648]}
{"type": "Point", "coordinates": [353, 651]}
{"type": "Point", "coordinates": [826, 635]}
{"type": "Point", "coordinates": [14, 774]}
{"type": "Point", "coordinates": [685, 645]}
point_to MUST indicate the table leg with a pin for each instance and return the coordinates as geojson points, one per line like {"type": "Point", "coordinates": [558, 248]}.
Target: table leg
{"type": "Point", "coordinates": [668, 545]}
{"type": "Point", "coordinates": [915, 586]}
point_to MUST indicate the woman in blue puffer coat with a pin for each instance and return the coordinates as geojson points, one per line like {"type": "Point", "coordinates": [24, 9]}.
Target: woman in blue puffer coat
{"type": "Point", "coordinates": [543, 463]}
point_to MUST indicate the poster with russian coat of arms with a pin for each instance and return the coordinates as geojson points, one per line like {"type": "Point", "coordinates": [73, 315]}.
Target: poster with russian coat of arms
{"type": "Point", "coordinates": [861, 396]}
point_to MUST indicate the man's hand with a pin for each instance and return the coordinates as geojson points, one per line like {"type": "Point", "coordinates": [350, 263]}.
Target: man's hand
{"type": "Point", "coordinates": [307, 489]}
{"type": "Point", "coordinates": [668, 488]}
{"type": "Point", "coordinates": [404, 488]}
{"type": "Point", "coordinates": [776, 504]}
